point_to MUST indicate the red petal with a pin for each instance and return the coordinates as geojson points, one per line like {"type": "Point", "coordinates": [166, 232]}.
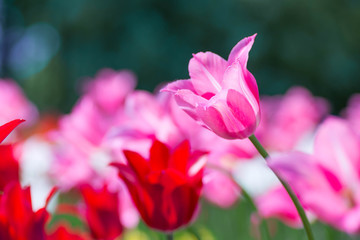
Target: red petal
{"type": "Point", "coordinates": [51, 194]}
{"type": "Point", "coordinates": [138, 164]}
{"type": "Point", "coordinates": [7, 128]}
{"type": "Point", "coordinates": [180, 156]}
{"type": "Point", "coordinates": [159, 156]}
{"type": "Point", "coordinates": [102, 212]}
{"type": "Point", "coordinates": [9, 167]}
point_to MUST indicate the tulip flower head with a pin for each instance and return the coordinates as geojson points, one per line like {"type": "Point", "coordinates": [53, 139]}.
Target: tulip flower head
{"type": "Point", "coordinates": [9, 166]}
{"type": "Point", "coordinates": [166, 188]}
{"type": "Point", "coordinates": [221, 95]}
{"type": "Point", "coordinates": [18, 221]}
{"type": "Point", "coordinates": [102, 213]}
{"type": "Point", "coordinates": [327, 182]}
{"type": "Point", "coordinates": [63, 233]}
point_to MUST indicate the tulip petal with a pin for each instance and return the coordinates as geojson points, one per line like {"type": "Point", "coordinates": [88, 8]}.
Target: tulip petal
{"type": "Point", "coordinates": [213, 119]}
{"type": "Point", "coordinates": [179, 157]}
{"type": "Point", "coordinates": [9, 167]}
{"type": "Point", "coordinates": [241, 51]}
{"type": "Point", "coordinates": [337, 148]}
{"type": "Point", "coordinates": [159, 156]}
{"type": "Point", "coordinates": [206, 72]}
{"type": "Point", "coordinates": [229, 115]}
{"type": "Point", "coordinates": [277, 203]}
{"type": "Point", "coordinates": [7, 128]}
{"type": "Point", "coordinates": [220, 189]}
{"type": "Point", "coordinates": [243, 111]}
{"type": "Point", "coordinates": [188, 101]}
{"type": "Point", "coordinates": [138, 164]}
{"type": "Point", "coordinates": [235, 78]}
{"type": "Point", "coordinates": [308, 181]}
{"type": "Point", "coordinates": [178, 85]}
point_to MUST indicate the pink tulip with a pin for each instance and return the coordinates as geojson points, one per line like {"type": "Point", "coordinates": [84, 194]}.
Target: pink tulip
{"type": "Point", "coordinates": [14, 104]}
{"type": "Point", "coordinates": [146, 117]}
{"type": "Point", "coordinates": [276, 203]}
{"type": "Point", "coordinates": [352, 112]}
{"type": "Point", "coordinates": [81, 156]}
{"type": "Point", "coordinates": [79, 144]}
{"type": "Point", "coordinates": [286, 119]}
{"type": "Point", "coordinates": [327, 182]}
{"type": "Point", "coordinates": [110, 89]}
{"type": "Point", "coordinates": [221, 95]}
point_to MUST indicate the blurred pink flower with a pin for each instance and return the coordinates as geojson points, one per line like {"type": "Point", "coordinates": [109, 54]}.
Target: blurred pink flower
{"type": "Point", "coordinates": [14, 104]}
{"type": "Point", "coordinates": [286, 119]}
{"type": "Point", "coordinates": [276, 203]}
{"type": "Point", "coordinates": [327, 182]}
{"type": "Point", "coordinates": [352, 112]}
{"type": "Point", "coordinates": [288, 122]}
{"type": "Point", "coordinates": [81, 156]}
{"type": "Point", "coordinates": [221, 95]}
{"type": "Point", "coordinates": [79, 140]}
{"type": "Point", "coordinates": [146, 117]}
{"type": "Point", "coordinates": [110, 89]}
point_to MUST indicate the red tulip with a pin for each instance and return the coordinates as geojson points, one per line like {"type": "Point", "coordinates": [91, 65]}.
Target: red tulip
{"type": "Point", "coordinates": [166, 188]}
{"type": "Point", "coordinates": [9, 167]}
{"type": "Point", "coordinates": [17, 219]}
{"type": "Point", "coordinates": [102, 212]}
{"type": "Point", "coordinates": [62, 233]}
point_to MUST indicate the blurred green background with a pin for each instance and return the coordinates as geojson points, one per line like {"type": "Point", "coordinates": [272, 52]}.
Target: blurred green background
{"type": "Point", "coordinates": [48, 46]}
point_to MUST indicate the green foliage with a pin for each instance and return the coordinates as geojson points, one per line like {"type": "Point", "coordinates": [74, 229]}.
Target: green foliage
{"type": "Point", "coordinates": [309, 43]}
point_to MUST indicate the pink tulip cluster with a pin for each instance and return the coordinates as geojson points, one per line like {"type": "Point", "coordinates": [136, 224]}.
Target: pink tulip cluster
{"type": "Point", "coordinates": [123, 154]}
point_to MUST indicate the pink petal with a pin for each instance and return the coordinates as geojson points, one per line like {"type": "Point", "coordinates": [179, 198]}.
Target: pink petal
{"type": "Point", "coordinates": [238, 78]}
{"type": "Point", "coordinates": [189, 101]}
{"type": "Point", "coordinates": [277, 203]}
{"type": "Point", "coordinates": [243, 111]}
{"type": "Point", "coordinates": [220, 189]}
{"type": "Point", "coordinates": [313, 188]}
{"type": "Point", "coordinates": [178, 85]}
{"type": "Point", "coordinates": [206, 72]}
{"type": "Point", "coordinates": [241, 51]}
{"type": "Point", "coordinates": [351, 222]}
{"type": "Point", "coordinates": [338, 148]}
{"type": "Point", "coordinates": [229, 115]}
{"type": "Point", "coordinates": [213, 119]}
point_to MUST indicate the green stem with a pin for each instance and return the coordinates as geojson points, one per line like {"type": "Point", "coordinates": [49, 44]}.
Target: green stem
{"type": "Point", "coordinates": [169, 236]}
{"type": "Point", "coordinates": [263, 226]}
{"type": "Point", "coordinates": [264, 230]}
{"type": "Point", "coordinates": [288, 189]}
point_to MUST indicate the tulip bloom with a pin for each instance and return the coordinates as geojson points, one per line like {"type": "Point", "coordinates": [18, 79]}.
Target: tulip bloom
{"type": "Point", "coordinates": [166, 188]}
{"type": "Point", "coordinates": [327, 182]}
{"type": "Point", "coordinates": [9, 167]}
{"type": "Point", "coordinates": [14, 104]}
{"type": "Point", "coordinates": [18, 221]}
{"type": "Point", "coordinates": [221, 95]}
{"type": "Point", "coordinates": [290, 118]}
{"type": "Point", "coordinates": [62, 233]}
{"type": "Point", "coordinates": [102, 212]}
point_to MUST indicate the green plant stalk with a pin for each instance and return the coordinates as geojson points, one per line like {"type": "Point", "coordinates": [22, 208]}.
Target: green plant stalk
{"type": "Point", "coordinates": [170, 236]}
{"type": "Point", "coordinates": [264, 230]}
{"type": "Point", "coordinates": [288, 189]}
